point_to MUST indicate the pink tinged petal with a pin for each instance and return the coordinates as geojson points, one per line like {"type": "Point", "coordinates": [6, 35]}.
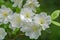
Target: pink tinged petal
{"type": "Point", "coordinates": [27, 33]}
{"type": "Point", "coordinates": [44, 26]}
{"type": "Point", "coordinates": [43, 14]}
{"type": "Point", "coordinates": [6, 21]}
{"type": "Point", "coordinates": [48, 20]}
{"type": "Point", "coordinates": [25, 29]}
{"type": "Point", "coordinates": [33, 36]}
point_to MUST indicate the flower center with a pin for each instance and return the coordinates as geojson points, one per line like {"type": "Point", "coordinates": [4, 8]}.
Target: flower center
{"type": "Point", "coordinates": [27, 15]}
{"type": "Point", "coordinates": [5, 14]}
{"type": "Point", "coordinates": [17, 19]}
{"type": "Point", "coordinates": [41, 21]}
{"type": "Point", "coordinates": [34, 28]}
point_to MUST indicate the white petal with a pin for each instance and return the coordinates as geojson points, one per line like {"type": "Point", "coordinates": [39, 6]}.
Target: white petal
{"type": "Point", "coordinates": [2, 33]}
{"type": "Point", "coordinates": [43, 14]}
{"type": "Point", "coordinates": [25, 29]}
{"type": "Point", "coordinates": [6, 21]}
{"type": "Point", "coordinates": [48, 20]}
{"type": "Point", "coordinates": [45, 26]}
{"type": "Point", "coordinates": [33, 36]}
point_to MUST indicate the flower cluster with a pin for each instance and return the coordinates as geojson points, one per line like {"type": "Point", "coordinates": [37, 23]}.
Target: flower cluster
{"type": "Point", "coordinates": [30, 23]}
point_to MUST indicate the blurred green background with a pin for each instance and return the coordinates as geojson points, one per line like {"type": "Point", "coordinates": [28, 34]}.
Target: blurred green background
{"type": "Point", "coordinates": [53, 33]}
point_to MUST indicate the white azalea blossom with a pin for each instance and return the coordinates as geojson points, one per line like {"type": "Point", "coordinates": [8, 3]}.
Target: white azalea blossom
{"type": "Point", "coordinates": [27, 14]}
{"type": "Point", "coordinates": [2, 33]}
{"type": "Point", "coordinates": [27, 21]}
{"type": "Point", "coordinates": [32, 4]}
{"type": "Point", "coordinates": [32, 30]}
{"type": "Point", "coordinates": [43, 20]}
{"type": "Point", "coordinates": [15, 21]}
{"type": "Point", "coordinates": [4, 13]}
{"type": "Point", "coordinates": [17, 3]}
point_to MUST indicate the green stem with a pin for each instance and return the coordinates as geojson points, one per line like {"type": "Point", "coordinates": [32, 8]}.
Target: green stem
{"type": "Point", "coordinates": [56, 23]}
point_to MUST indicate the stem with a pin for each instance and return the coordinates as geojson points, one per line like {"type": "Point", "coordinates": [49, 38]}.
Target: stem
{"type": "Point", "coordinates": [56, 23]}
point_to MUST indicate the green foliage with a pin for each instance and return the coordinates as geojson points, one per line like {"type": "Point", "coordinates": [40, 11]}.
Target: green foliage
{"type": "Point", "coordinates": [17, 10]}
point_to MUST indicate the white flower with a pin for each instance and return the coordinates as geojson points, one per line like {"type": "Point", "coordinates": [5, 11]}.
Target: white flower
{"type": "Point", "coordinates": [43, 20]}
{"type": "Point", "coordinates": [17, 3]}
{"type": "Point", "coordinates": [32, 30]}
{"type": "Point", "coordinates": [4, 13]}
{"type": "Point", "coordinates": [27, 14]}
{"type": "Point", "coordinates": [32, 4]}
{"type": "Point", "coordinates": [2, 33]}
{"type": "Point", "coordinates": [15, 21]}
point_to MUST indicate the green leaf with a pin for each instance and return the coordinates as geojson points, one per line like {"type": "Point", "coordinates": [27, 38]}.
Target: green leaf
{"type": "Point", "coordinates": [15, 31]}
{"type": "Point", "coordinates": [17, 10]}
{"type": "Point", "coordinates": [55, 14]}
{"type": "Point", "coordinates": [56, 23]}
{"type": "Point", "coordinates": [1, 1]}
